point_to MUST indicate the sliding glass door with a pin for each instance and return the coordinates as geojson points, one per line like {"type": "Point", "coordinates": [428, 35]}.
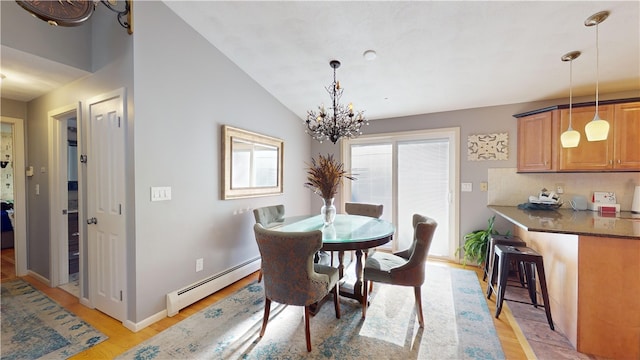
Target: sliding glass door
{"type": "Point", "coordinates": [408, 173]}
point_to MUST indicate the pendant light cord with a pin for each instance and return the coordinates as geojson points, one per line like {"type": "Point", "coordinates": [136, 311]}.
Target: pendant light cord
{"type": "Point", "coordinates": [570, 92]}
{"type": "Point", "coordinates": [597, 71]}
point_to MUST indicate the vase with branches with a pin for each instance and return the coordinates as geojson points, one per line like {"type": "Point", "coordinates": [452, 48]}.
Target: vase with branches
{"type": "Point", "coordinates": [324, 177]}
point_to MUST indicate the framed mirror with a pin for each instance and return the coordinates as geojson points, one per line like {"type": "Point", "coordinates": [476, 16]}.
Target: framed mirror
{"type": "Point", "coordinates": [252, 164]}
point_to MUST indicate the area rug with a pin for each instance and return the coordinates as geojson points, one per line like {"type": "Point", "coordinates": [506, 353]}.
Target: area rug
{"type": "Point", "coordinates": [34, 326]}
{"type": "Point", "coordinates": [457, 326]}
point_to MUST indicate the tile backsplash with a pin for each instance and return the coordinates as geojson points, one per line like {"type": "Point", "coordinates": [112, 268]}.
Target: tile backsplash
{"type": "Point", "coordinates": [507, 187]}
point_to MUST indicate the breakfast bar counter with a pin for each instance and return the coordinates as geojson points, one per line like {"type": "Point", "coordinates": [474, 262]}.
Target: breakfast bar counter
{"type": "Point", "coordinates": [592, 264]}
{"type": "Point", "coordinates": [566, 221]}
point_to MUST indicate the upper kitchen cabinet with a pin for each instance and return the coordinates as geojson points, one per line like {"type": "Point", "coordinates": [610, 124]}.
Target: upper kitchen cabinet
{"type": "Point", "coordinates": [588, 155]}
{"type": "Point", "coordinates": [540, 150]}
{"type": "Point", "coordinates": [619, 152]}
{"type": "Point", "coordinates": [626, 129]}
{"type": "Point", "coordinates": [537, 149]}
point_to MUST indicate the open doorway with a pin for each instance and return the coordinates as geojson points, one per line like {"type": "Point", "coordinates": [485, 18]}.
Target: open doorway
{"type": "Point", "coordinates": [63, 178]}
{"type": "Point", "coordinates": [13, 198]}
{"type": "Point", "coordinates": [73, 231]}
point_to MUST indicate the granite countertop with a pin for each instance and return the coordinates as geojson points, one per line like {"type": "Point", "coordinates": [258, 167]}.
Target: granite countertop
{"type": "Point", "coordinates": [566, 221]}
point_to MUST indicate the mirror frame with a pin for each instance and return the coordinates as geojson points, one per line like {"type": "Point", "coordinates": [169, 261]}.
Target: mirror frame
{"type": "Point", "coordinates": [228, 134]}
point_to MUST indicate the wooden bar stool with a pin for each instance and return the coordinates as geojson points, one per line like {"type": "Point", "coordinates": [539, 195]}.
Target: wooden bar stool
{"type": "Point", "coordinates": [499, 240]}
{"type": "Point", "coordinates": [531, 261]}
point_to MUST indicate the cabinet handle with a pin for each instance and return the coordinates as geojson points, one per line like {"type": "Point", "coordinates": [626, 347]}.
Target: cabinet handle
{"type": "Point", "coordinates": [610, 162]}
{"type": "Point", "coordinates": [619, 161]}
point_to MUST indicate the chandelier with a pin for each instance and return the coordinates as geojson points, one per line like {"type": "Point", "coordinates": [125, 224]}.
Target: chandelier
{"type": "Point", "coordinates": [340, 121]}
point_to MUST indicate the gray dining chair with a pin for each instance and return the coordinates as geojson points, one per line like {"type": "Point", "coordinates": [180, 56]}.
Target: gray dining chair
{"type": "Point", "coordinates": [363, 209]}
{"type": "Point", "coordinates": [290, 275]}
{"type": "Point", "coordinates": [405, 268]}
{"type": "Point", "coordinates": [268, 216]}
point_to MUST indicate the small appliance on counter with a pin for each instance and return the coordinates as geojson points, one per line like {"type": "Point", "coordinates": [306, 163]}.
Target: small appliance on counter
{"type": "Point", "coordinates": [578, 202]}
{"type": "Point", "coordinates": [604, 202]}
{"type": "Point", "coordinates": [546, 200]}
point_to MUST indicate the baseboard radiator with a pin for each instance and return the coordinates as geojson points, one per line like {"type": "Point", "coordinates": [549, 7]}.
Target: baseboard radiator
{"type": "Point", "coordinates": [186, 296]}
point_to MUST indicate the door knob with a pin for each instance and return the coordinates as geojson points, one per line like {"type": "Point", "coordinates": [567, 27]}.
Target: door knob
{"type": "Point", "coordinates": [92, 221]}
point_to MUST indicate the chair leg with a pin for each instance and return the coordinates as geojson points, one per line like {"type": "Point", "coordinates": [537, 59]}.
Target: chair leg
{"type": "Point", "coordinates": [418, 294]}
{"type": "Point", "coordinates": [307, 314]}
{"type": "Point", "coordinates": [336, 299]}
{"type": "Point", "coordinates": [365, 299]}
{"type": "Point", "coordinates": [265, 318]}
{"type": "Point", "coordinates": [259, 275]}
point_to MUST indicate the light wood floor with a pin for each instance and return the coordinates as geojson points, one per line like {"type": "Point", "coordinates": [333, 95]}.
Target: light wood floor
{"type": "Point", "coordinates": [122, 339]}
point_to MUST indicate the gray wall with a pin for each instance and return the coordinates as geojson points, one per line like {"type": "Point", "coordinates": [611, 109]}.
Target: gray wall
{"type": "Point", "coordinates": [13, 108]}
{"type": "Point", "coordinates": [21, 31]}
{"type": "Point", "coordinates": [185, 90]}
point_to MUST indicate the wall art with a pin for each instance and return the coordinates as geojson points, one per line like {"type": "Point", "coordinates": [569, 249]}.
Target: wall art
{"type": "Point", "coordinates": [488, 147]}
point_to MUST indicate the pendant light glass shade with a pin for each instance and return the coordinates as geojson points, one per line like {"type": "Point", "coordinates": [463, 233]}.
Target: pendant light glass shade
{"type": "Point", "coordinates": [570, 138]}
{"type": "Point", "coordinates": [597, 129]}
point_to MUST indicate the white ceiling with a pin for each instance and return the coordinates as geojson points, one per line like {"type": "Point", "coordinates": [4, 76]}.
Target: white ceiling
{"type": "Point", "coordinates": [432, 55]}
{"type": "Point", "coordinates": [28, 76]}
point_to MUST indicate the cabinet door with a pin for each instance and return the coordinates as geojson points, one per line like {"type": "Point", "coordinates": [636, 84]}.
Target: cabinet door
{"type": "Point", "coordinates": [626, 153]}
{"type": "Point", "coordinates": [535, 144]}
{"type": "Point", "coordinates": [589, 155]}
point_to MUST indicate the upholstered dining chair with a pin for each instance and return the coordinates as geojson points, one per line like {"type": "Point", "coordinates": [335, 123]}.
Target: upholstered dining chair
{"type": "Point", "coordinates": [290, 276]}
{"type": "Point", "coordinates": [370, 210]}
{"type": "Point", "coordinates": [406, 268]}
{"type": "Point", "coordinates": [268, 216]}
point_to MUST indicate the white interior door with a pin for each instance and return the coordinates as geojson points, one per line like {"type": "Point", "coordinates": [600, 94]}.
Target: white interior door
{"type": "Point", "coordinates": [105, 203]}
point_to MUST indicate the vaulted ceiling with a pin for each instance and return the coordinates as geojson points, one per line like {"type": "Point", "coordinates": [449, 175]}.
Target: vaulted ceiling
{"type": "Point", "coordinates": [432, 56]}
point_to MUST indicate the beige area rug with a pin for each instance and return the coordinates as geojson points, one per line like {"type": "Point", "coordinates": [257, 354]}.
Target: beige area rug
{"type": "Point", "coordinates": [458, 325]}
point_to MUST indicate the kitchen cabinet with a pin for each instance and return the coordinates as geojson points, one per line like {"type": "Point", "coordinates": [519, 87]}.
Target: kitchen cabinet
{"type": "Point", "coordinates": [620, 151]}
{"type": "Point", "coordinates": [537, 149]}
{"type": "Point", "coordinates": [540, 149]}
{"type": "Point", "coordinates": [588, 155]}
{"type": "Point", "coordinates": [626, 149]}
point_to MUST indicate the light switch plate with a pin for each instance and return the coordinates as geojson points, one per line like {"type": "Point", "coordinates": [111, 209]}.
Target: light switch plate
{"type": "Point", "coordinates": [466, 187]}
{"type": "Point", "coordinates": [160, 193]}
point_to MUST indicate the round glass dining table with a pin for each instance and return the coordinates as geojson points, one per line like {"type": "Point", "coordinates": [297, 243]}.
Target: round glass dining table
{"type": "Point", "coordinates": [346, 233]}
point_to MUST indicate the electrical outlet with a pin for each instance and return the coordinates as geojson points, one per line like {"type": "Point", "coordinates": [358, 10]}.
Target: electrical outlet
{"type": "Point", "coordinates": [466, 187]}
{"type": "Point", "coordinates": [559, 188]}
{"type": "Point", "coordinates": [484, 186]}
{"type": "Point", "coordinates": [199, 264]}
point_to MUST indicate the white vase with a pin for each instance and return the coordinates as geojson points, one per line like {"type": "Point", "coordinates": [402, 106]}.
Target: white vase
{"type": "Point", "coordinates": [328, 211]}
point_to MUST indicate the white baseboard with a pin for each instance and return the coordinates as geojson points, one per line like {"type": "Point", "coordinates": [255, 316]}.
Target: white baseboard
{"type": "Point", "coordinates": [221, 282]}
{"type": "Point", "coordinates": [39, 277]}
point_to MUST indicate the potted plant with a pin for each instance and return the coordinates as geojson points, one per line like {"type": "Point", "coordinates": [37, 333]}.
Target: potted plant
{"type": "Point", "coordinates": [476, 242]}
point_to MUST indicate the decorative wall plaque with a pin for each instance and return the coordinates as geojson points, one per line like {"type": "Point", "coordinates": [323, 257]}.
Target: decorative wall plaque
{"type": "Point", "coordinates": [488, 147]}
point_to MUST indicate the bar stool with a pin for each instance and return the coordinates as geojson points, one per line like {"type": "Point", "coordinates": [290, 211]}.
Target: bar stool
{"type": "Point", "coordinates": [499, 240]}
{"type": "Point", "coordinates": [530, 261]}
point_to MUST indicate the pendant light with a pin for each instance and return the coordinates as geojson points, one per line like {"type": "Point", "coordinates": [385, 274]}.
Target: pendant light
{"type": "Point", "coordinates": [597, 129]}
{"type": "Point", "coordinates": [570, 138]}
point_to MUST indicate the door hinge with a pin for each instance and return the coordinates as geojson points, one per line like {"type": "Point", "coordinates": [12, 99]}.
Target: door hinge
{"type": "Point", "coordinates": [119, 209]}
{"type": "Point", "coordinates": [118, 121]}
{"type": "Point", "coordinates": [83, 159]}
{"type": "Point", "coordinates": [120, 295]}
